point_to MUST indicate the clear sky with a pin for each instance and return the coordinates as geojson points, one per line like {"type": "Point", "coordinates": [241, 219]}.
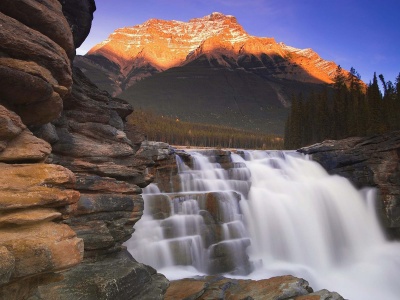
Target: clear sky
{"type": "Point", "coordinates": [364, 34]}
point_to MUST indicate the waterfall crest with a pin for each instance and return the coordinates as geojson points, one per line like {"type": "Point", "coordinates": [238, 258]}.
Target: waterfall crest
{"type": "Point", "coordinates": [264, 214]}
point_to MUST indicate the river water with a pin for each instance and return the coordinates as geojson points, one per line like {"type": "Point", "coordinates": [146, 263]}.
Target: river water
{"type": "Point", "coordinates": [276, 213]}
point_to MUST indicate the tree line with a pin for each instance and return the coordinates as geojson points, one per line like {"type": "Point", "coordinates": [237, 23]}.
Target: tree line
{"type": "Point", "coordinates": [176, 132]}
{"type": "Point", "coordinates": [348, 108]}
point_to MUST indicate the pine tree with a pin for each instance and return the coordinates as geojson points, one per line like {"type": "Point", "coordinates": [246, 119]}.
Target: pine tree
{"type": "Point", "coordinates": [376, 120]}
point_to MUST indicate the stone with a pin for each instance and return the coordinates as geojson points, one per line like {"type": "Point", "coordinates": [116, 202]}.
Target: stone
{"type": "Point", "coordinates": [79, 14]}
{"type": "Point", "coordinates": [25, 148]}
{"type": "Point", "coordinates": [87, 182]}
{"type": "Point", "coordinates": [7, 265]}
{"type": "Point", "coordinates": [41, 248]}
{"type": "Point", "coordinates": [215, 201]}
{"type": "Point", "coordinates": [367, 162]}
{"type": "Point", "coordinates": [10, 124]}
{"type": "Point", "coordinates": [230, 256]}
{"type": "Point", "coordinates": [117, 276]}
{"type": "Point", "coordinates": [45, 16]}
{"type": "Point", "coordinates": [158, 206]}
{"type": "Point", "coordinates": [23, 43]}
{"type": "Point", "coordinates": [321, 295]}
{"type": "Point", "coordinates": [27, 217]}
{"type": "Point", "coordinates": [33, 185]}
{"type": "Point", "coordinates": [218, 287]}
{"type": "Point", "coordinates": [46, 132]}
{"type": "Point", "coordinates": [89, 203]}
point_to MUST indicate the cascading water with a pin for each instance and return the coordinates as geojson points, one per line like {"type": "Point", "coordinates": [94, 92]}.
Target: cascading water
{"type": "Point", "coordinates": [292, 218]}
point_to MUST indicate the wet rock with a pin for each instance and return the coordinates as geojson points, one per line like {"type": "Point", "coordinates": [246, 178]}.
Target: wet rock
{"type": "Point", "coordinates": [159, 206]}
{"type": "Point", "coordinates": [217, 287]}
{"type": "Point", "coordinates": [321, 295]}
{"type": "Point", "coordinates": [117, 276]}
{"type": "Point", "coordinates": [371, 161]}
{"type": "Point", "coordinates": [217, 201]}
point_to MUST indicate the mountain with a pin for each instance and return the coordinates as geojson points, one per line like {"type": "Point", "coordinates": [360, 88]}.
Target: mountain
{"type": "Point", "coordinates": [207, 70]}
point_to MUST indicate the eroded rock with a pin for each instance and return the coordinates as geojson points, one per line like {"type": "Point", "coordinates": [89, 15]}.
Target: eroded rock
{"type": "Point", "coordinates": [217, 287]}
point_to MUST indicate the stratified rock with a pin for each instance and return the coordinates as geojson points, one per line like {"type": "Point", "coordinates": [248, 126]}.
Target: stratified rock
{"type": "Point", "coordinates": [217, 287]}
{"type": "Point", "coordinates": [41, 248]}
{"type": "Point", "coordinates": [32, 185]}
{"type": "Point", "coordinates": [321, 295]}
{"type": "Point", "coordinates": [27, 217]}
{"type": "Point", "coordinates": [45, 16]}
{"type": "Point", "coordinates": [25, 148]}
{"type": "Point", "coordinates": [118, 276]}
{"type": "Point", "coordinates": [79, 14]}
{"type": "Point", "coordinates": [35, 72]}
{"type": "Point", "coordinates": [21, 42]}
{"type": "Point", "coordinates": [370, 161]}
{"type": "Point", "coordinates": [10, 126]}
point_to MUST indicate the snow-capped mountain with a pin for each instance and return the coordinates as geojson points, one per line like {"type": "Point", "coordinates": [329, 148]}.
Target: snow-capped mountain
{"type": "Point", "coordinates": [135, 62]}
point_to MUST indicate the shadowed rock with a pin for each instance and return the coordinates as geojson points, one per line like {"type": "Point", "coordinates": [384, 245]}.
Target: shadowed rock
{"type": "Point", "coordinates": [370, 161]}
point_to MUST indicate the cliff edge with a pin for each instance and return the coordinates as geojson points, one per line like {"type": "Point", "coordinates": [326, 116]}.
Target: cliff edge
{"type": "Point", "coordinates": [70, 180]}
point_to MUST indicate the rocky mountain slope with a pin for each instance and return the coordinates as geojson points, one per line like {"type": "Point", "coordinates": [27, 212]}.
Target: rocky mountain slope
{"type": "Point", "coordinates": [209, 62]}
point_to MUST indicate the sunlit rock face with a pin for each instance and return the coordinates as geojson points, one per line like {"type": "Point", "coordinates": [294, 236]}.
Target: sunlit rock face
{"type": "Point", "coordinates": [157, 45]}
{"type": "Point", "coordinates": [70, 181]}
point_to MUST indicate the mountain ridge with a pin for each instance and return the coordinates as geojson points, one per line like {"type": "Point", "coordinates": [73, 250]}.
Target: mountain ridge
{"type": "Point", "coordinates": [133, 58]}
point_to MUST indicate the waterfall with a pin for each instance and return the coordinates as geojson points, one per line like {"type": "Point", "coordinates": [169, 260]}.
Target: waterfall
{"type": "Point", "coordinates": [268, 213]}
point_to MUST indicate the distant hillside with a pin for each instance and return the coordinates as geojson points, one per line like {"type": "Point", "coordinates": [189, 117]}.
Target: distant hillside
{"type": "Point", "coordinates": [207, 70]}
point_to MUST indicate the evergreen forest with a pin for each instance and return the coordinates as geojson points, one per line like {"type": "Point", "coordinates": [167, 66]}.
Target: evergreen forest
{"type": "Point", "coordinates": [176, 132]}
{"type": "Point", "coordinates": [351, 109]}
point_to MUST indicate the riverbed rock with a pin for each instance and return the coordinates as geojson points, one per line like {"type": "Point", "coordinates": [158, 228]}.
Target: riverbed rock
{"type": "Point", "coordinates": [217, 287]}
{"type": "Point", "coordinates": [118, 276]}
{"type": "Point", "coordinates": [369, 161]}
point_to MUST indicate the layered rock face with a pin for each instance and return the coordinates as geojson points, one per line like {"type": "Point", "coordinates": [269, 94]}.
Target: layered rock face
{"type": "Point", "coordinates": [35, 74]}
{"type": "Point", "coordinates": [70, 191]}
{"type": "Point", "coordinates": [371, 161]}
{"type": "Point", "coordinates": [215, 287]}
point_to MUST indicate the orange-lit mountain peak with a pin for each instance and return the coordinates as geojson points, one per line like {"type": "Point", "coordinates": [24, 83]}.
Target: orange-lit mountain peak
{"type": "Point", "coordinates": [160, 45]}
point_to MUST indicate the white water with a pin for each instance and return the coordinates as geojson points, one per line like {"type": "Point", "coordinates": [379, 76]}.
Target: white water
{"type": "Point", "coordinates": [300, 221]}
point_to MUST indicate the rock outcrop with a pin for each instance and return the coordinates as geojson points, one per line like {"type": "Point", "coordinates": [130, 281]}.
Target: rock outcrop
{"type": "Point", "coordinates": [371, 161]}
{"type": "Point", "coordinates": [70, 179]}
{"type": "Point", "coordinates": [216, 287]}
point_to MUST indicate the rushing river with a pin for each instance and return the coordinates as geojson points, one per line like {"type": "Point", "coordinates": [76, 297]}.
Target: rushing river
{"type": "Point", "coordinates": [277, 213]}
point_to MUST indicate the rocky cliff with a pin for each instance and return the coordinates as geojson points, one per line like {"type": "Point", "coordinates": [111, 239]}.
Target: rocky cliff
{"type": "Point", "coordinates": [70, 180]}
{"type": "Point", "coordinates": [371, 161]}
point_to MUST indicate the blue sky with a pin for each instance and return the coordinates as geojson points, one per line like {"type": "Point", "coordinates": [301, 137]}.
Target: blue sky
{"type": "Point", "coordinates": [364, 34]}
